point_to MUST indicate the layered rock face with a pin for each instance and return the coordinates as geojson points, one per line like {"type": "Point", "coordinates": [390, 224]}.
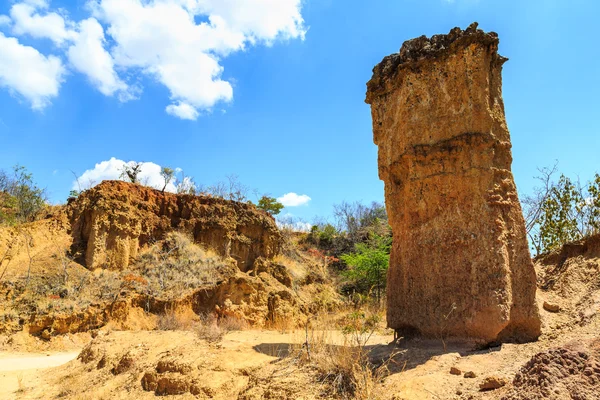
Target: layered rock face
{"type": "Point", "coordinates": [110, 223]}
{"type": "Point", "coordinates": [460, 264]}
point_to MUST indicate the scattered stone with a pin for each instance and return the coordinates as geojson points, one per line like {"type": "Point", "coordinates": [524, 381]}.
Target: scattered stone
{"type": "Point", "coordinates": [492, 383]}
{"type": "Point", "coordinates": [455, 371]}
{"type": "Point", "coordinates": [470, 374]}
{"type": "Point", "coordinates": [551, 307]}
{"type": "Point", "coordinates": [445, 158]}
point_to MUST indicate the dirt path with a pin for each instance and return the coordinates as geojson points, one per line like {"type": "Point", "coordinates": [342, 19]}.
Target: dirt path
{"type": "Point", "coordinates": [21, 370]}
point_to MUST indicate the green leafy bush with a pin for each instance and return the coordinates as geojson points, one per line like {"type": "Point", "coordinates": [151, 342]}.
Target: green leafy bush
{"type": "Point", "coordinates": [368, 265]}
{"type": "Point", "coordinates": [270, 205]}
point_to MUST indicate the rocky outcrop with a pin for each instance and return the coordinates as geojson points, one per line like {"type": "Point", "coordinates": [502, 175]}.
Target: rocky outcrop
{"type": "Point", "coordinates": [112, 221]}
{"type": "Point", "coordinates": [460, 265]}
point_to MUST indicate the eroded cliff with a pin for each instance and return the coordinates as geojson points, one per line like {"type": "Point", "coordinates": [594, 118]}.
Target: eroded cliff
{"type": "Point", "coordinates": [112, 221]}
{"type": "Point", "coordinates": [460, 265]}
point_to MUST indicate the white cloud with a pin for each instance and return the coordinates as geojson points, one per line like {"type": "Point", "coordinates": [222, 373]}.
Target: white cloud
{"type": "Point", "coordinates": [293, 224]}
{"type": "Point", "coordinates": [37, 3]}
{"type": "Point", "coordinates": [183, 111]}
{"type": "Point", "coordinates": [112, 170]}
{"type": "Point", "coordinates": [163, 40]}
{"type": "Point", "coordinates": [88, 56]}
{"type": "Point", "coordinates": [179, 43]}
{"type": "Point", "coordinates": [26, 71]}
{"type": "Point", "coordinates": [258, 19]}
{"type": "Point", "coordinates": [293, 200]}
{"type": "Point", "coordinates": [4, 20]}
{"type": "Point", "coordinates": [27, 21]}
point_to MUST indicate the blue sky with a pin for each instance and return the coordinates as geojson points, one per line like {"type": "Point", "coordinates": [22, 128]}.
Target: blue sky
{"type": "Point", "coordinates": [287, 113]}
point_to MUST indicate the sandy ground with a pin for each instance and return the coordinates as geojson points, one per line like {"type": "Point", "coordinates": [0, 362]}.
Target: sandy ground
{"type": "Point", "coordinates": [420, 369]}
{"type": "Point", "coordinates": [26, 369]}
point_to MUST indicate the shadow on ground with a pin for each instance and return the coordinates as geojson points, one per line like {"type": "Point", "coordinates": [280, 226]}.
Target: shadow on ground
{"type": "Point", "coordinates": [401, 356]}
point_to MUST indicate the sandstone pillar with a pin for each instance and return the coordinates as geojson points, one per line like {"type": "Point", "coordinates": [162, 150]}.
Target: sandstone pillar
{"type": "Point", "coordinates": [460, 264]}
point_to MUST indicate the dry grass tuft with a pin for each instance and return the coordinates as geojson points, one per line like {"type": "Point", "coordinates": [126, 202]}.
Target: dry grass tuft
{"type": "Point", "coordinates": [172, 320]}
{"type": "Point", "coordinates": [343, 370]}
{"type": "Point", "coordinates": [212, 329]}
{"type": "Point", "coordinates": [177, 264]}
{"type": "Point", "coordinates": [21, 386]}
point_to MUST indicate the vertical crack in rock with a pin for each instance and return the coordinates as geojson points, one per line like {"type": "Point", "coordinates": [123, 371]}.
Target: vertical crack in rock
{"type": "Point", "coordinates": [460, 264]}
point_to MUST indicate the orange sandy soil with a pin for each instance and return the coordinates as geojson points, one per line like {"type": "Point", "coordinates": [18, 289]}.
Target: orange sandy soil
{"type": "Point", "coordinates": [245, 365]}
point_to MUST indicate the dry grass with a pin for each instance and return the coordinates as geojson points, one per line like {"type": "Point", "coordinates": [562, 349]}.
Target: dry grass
{"type": "Point", "coordinates": [177, 264]}
{"type": "Point", "coordinates": [282, 324]}
{"type": "Point", "coordinates": [295, 268]}
{"type": "Point", "coordinates": [342, 370]}
{"type": "Point", "coordinates": [177, 320]}
{"type": "Point", "coordinates": [212, 329]}
{"type": "Point", "coordinates": [166, 270]}
{"type": "Point", "coordinates": [21, 386]}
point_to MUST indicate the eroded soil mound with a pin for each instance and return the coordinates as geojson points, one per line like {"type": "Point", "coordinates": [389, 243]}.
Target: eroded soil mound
{"type": "Point", "coordinates": [569, 282]}
{"type": "Point", "coordinates": [112, 221]}
{"type": "Point", "coordinates": [560, 373]}
{"type": "Point", "coordinates": [128, 256]}
{"type": "Point", "coordinates": [143, 365]}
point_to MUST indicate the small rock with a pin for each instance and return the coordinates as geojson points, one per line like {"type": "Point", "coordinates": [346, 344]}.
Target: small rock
{"type": "Point", "coordinates": [459, 392]}
{"type": "Point", "coordinates": [492, 383]}
{"type": "Point", "coordinates": [470, 374]}
{"type": "Point", "coordinates": [550, 307]}
{"type": "Point", "coordinates": [455, 371]}
{"type": "Point", "coordinates": [46, 334]}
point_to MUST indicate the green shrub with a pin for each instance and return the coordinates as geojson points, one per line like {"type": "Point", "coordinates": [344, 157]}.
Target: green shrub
{"type": "Point", "coordinates": [368, 265]}
{"type": "Point", "coordinates": [20, 198]}
{"type": "Point", "coordinates": [270, 205]}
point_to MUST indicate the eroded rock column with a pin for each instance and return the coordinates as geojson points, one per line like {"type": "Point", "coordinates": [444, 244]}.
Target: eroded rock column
{"type": "Point", "coordinates": [460, 265]}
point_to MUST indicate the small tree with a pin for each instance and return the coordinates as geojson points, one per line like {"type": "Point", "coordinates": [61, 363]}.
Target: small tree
{"type": "Point", "coordinates": [368, 265]}
{"type": "Point", "coordinates": [270, 205]}
{"type": "Point", "coordinates": [593, 202]}
{"type": "Point", "coordinates": [358, 220]}
{"type": "Point", "coordinates": [558, 224]}
{"type": "Point", "coordinates": [20, 198]}
{"type": "Point", "coordinates": [131, 172]}
{"type": "Point", "coordinates": [168, 175]}
{"type": "Point", "coordinates": [566, 212]}
{"type": "Point", "coordinates": [236, 190]}
{"type": "Point", "coordinates": [185, 185]}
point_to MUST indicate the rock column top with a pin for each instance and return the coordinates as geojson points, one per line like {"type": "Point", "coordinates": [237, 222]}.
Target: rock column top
{"type": "Point", "coordinates": [416, 51]}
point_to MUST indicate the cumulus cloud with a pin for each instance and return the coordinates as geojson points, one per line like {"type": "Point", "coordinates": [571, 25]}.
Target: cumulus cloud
{"type": "Point", "coordinates": [293, 200]}
{"type": "Point", "coordinates": [293, 224]}
{"type": "Point", "coordinates": [178, 43]}
{"type": "Point", "coordinates": [183, 111]}
{"type": "Point", "coordinates": [88, 56]}
{"type": "Point", "coordinates": [28, 21]}
{"type": "Point", "coordinates": [4, 20]}
{"type": "Point", "coordinates": [28, 73]}
{"type": "Point", "coordinates": [112, 170]}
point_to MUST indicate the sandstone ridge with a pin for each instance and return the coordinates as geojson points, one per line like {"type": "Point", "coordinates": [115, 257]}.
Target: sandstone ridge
{"type": "Point", "coordinates": [460, 264]}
